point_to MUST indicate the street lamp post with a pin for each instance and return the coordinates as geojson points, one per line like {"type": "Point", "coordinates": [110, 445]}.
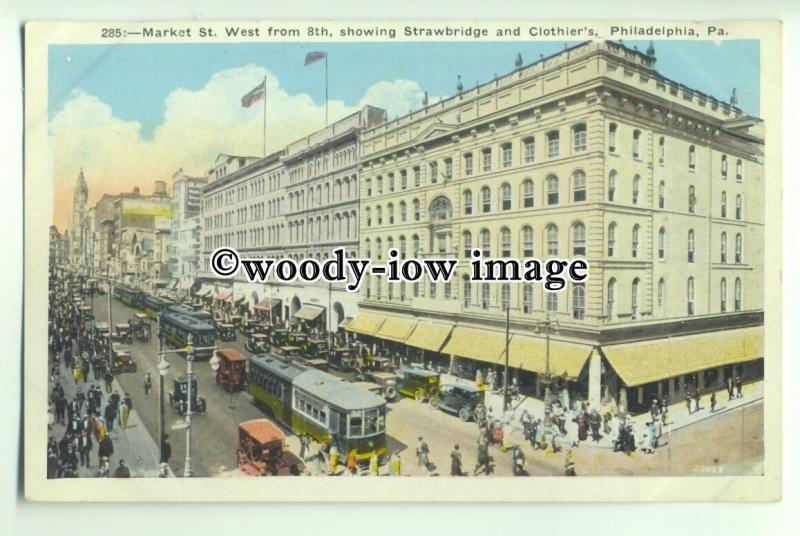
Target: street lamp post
{"type": "Point", "coordinates": [187, 468]}
{"type": "Point", "coordinates": [163, 369]}
{"type": "Point", "coordinates": [548, 324]}
{"type": "Point", "coordinates": [505, 370]}
{"type": "Point", "coordinates": [110, 326]}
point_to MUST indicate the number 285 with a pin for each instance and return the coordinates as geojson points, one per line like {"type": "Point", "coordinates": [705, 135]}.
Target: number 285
{"type": "Point", "coordinates": [111, 32]}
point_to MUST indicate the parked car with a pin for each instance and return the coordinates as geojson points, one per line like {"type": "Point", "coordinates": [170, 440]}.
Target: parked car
{"type": "Point", "coordinates": [387, 382]}
{"type": "Point", "coordinates": [226, 332]}
{"type": "Point", "coordinates": [257, 343]}
{"type": "Point", "coordinates": [459, 398]}
{"type": "Point", "coordinates": [122, 360]}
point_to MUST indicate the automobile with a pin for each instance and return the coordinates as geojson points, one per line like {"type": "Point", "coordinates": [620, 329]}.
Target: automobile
{"type": "Point", "coordinates": [278, 336]}
{"type": "Point", "coordinates": [316, 346]}
{"type": "Point", "coordinates": [343, 358]}
{"type": "Point", "coordinates": [231, 371]}
{"type": "Point", "coordinates": [179, 395]}
{"type": "Point", "coordinates": [257, 343]}
{"type": "Point", "coordinates": [459, 398]}
{"type": "Point", "coordinates": [100, 329]}
{"type": "Point", "coordinates": [387, 381]}
{"type": "Point", "coordinates": [262, 451]}
{"type": "Point", "coordinates": [141, 327]}
{"type": "Point", "coordinates": [289, 352]}
{"type": "Point", "coordinates": [226, 332]}
{"type": "Point", "coordinates": [418, 383]}
{"type": "Point", "coordinates": [123, 334]}
{"type": "Point", "coordinates": [122, 360]}
{"type": "Point", "coordinates": [249, 327]}
{"type": "Point", "coordinates": [296, 338]}
{"type": "Point", "coordinates": [236, 320]}
{"type": "Point", "coordinates": [86, 313]}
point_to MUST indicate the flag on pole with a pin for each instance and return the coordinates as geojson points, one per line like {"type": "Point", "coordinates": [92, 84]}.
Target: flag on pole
{"type": "Point", "coordinates": [311, 57]}
{"type": "Point", "coordinates": [254, 95]}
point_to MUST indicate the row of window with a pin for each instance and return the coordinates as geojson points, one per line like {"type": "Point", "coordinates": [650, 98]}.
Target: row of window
{"type": "Point", "coordinates": [345, 188]}
{"type": "Point", "coordinates": [317, 229]}
{"type": "Point", "coordinates": [311, 408]}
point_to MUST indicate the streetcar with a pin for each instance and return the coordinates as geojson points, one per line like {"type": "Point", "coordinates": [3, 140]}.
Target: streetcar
{"type": "Point", "coordinates": [128, 296]}
{"type": "Point", "coordinates": [316, 404]}
{"type": "Point", "coordinates": [203, 316]}
{"type": "Point", "coordinates": [176, 329]}
{"type": "Point", "coordinates": [154, 306]}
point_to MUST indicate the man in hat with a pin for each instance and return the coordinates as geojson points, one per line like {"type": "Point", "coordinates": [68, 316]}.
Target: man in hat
{"type": "Point", "coordinates": [422, 453]}
{"type": "Point", "coordinates": [455, 462]}
{"type": "Point", "coordinates": [739, 387]}
{"type": "Point", "coordinates": [122, 471]}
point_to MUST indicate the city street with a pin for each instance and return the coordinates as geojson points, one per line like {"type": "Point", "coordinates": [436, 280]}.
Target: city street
{"type": "Point", "coordinates": [731, 443]}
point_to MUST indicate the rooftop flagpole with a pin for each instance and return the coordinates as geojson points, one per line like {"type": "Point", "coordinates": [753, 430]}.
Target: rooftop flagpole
{"type": "Point", "coordinates": [264, 137]}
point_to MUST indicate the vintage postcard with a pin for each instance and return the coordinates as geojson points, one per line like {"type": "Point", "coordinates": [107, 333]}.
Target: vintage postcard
{"type": "Point", "coordinates": [406, 261]}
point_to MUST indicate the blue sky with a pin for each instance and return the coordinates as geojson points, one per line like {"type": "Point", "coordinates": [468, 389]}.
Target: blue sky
{"type": "Point", "coordinates": [135, 80]}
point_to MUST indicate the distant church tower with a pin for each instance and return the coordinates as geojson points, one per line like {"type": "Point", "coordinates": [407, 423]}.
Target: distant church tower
{"type": "Point", "coordinates": [79, 229]}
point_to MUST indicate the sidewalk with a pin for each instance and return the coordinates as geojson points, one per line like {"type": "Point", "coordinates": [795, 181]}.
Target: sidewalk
{"type": "Point", "coordinates": [132, 444]}
{"type": "Point", "coordinates": [679, 416]}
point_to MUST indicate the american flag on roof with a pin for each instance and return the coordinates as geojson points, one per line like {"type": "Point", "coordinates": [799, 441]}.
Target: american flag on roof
{"type": "Point", "coordinates": [254, 95]}
{"type": "Point", "coordinates": [311, 57]}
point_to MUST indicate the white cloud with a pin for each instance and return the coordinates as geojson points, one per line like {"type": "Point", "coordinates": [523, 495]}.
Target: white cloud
{"type": "Point", "coordinates": [197, 126]}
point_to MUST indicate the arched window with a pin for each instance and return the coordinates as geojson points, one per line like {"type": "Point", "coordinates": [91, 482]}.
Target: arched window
{"type": "Point", "coordinates": [612, 185]}
{"type": "Point", "coordinates": [403, 212]}
{"type": "Point", "coordinates": [578, 302]}
{"type": "Point", "coordinates": [368, 216]}
{"type": "Point", "coordinates": [635, 298]}
{"type": "Point", "coordinates": [527, 298]}
{"type": "Point", "coordinates": [612, 138]}
{"type": "Point", "coordinates": [368, 248]}
{"type": "Point", "coordinates": [635, 189]}
{"type": "Point", "coordinates": [723, 295]}
{"type": "Point", "coordinates": [528, 150]}
{"type": "Point", "coordinates": [505, 297]}
{"type": "Point", "coordinates": [578, 186]}
{"type": "Point", "coordinates": [552, 190]}
{"type": "Point", "coordinates": [441, 210]}
{"type": "Point", "coordinates": [579, 138]}
{"type": "Point", "coordinates": [692, 199]}
{"type": "Point", "coordinates": [637, 135]}
{"type": "Point", "coordinates": [415, 246]}
{"type": "Point", "coordinates": [737, 295]}
{"type": "Point", "coordinates": [724, 205]}
{"type": "Point", "coordinates": [466, 290]}
{"type": "Point", "coordinates": [611, 299]}
{"type": "Point", "coordinates": [738, 258]}
{"type": "Point", "coordinates": [662, 150]}
{"type": "Point", "coordinates": [738, 207]}
{"type": "Point", "coordinates": [402, 247]}
{"type": "Point", "coordinates": [468, 164]}
{"type": "Point", "coordinates": [466, 240]}
{"type": "Point", "coordinates": [661, 200]}
{"type": "Point", "coordinates": [485, 294]}
{"type": "Point", "coordinates": [724, 166]}
{"type": "Point", "coordinates": [612, 238]}
{"type": "Point", "coordinates": [552, 240]}
{"type": "Point", "coordinates": [505, 242]}
{"type": "Point", "coordinates": [723, 244]}
{"type": "Point", "coordinates": [486, 154]}
{"type": "Point", "coordinates": [662, 243]}
{"type": "Point", "coordinates": [415, 206]}
{"type": "Point", "coordinates": [690, 245]}
{"type": "Point", "coordinates": [379, 214]}
{"type": "Point", "coordinates": [692, 158]}
{"type": "Point", "coordinates": [527, 193]}
{"type": "Point", "coordinates": [578, 239]}
{"type": "Point", "coordinates": [486, 199]}
{"type": "Point", "coordinates": [506, 155]}
{"type": "Point", "coordinates": [368, 183]}
{"type": "Point", "coordinates": [505, 197]}
{"type": "Point", "coordinates": [690, 296]}
{"type": "Point", "coordinates": [378, 249]}
{"type": "Point", "coordinates": [739, 171]}
{"type": "Point", "coordinates": [552, 302]}
{"type": "Point", "coordinates": [527, 241]}
{"type": "Point", "coordinates": [661, 299]}
{"type": "Point", "coordinates": [486, 243]}
{"type": "Point", "coordinates": [390, 213]}
{"type": "Point", "coordinates": [635, 241]}
{"type": "Point", "coordinates": [467, 202]}
{"type": "Point", "coordinates": [552, 144]}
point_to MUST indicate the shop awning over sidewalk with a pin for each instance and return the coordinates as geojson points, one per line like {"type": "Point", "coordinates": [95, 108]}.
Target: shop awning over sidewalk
{"type": "Point", "coordinates": [396, 329]}
{"type": "Point", "coordinates": [309, 312]}
{"type": "Point", "coordinates": [429, 336]}
{"type": "Point", "coordinates": [648, 361]}
{"type": "Point", "coordinates": [480, 344]}
{"type": "Point", "coordinates": [266, 305]}
{"type": "Point", "coordinates": [530, 353]}
{"type": "Point", "coordinates": [366, 323]}
{"type": "Point", "coordinates": [222, 296]}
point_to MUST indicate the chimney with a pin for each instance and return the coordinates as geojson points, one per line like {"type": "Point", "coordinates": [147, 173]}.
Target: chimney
{"type": "Point", "coordinates": [160, 189]}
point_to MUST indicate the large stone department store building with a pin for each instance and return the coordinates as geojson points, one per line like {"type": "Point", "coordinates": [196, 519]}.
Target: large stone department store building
{"type": "Point", "coordinates": [588, 153]}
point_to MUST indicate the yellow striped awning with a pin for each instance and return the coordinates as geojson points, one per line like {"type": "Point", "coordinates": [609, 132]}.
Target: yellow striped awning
{"type": "Point", "coordinates": [365, 323]}
{"type": "Point", "coordinates": [648, 361]}
{"type": "Point", "coordinates": [429, 336]}
{"type": "Point", "coordinates": [396, 329]}
{"type": "Point", "coordinates": [530, 353]}
{"type": "Point", "coordinates": [309, 312]}
{"type": "Point", "coordinates": [480, 344]}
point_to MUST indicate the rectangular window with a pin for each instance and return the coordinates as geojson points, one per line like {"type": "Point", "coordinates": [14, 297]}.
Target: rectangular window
{"type": "Point", "coordinates": [468, 164]}
{"type": "Point", "coordinates": [448, 169]}
{"type": "Point", "coordinates": [529, 151]}
{"type": "Point", "coordinates": [487, 160]}
{"type": "Point", "coordinates": [434, 176]}
{"type": "Point", "coordinates": [417, 176]}
{"type": "Point", "coordinates": [507, 155]}
{"type": "Point", "coordinates": [403, 179]}
{"type": "Point", "coordinates": [552, 145]}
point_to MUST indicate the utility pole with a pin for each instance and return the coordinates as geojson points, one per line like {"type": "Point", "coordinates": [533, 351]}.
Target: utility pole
{"type": "Point", "coordinates": [187, 469]}
{"type": "Point", "coordinates": [110, 325]}
{"type": "Point", "coordinates": [505, 370]}
{"type": "Point", "coordinates": [161, 372]}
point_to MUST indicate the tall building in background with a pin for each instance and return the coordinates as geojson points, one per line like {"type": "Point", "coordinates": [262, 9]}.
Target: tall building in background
{"type": "Point", "coordinates": [186, 229]}
{"type": "Point", "coordinates": [588, 153]}
{"type": "Point", "coordinates": [80, 231]}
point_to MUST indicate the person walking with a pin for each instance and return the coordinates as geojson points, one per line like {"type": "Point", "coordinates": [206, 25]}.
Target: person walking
{"type": "Point", "coordinates": [85, 448]}
{"type": "Point", "coordinates": [334, 459]}
{"type": "Point", "coordinates": [127, 406]}
{"type": "Point", "coordinates": [109, 379]}
{"type": "Point", "coordinates": [352, 463]}
{"type": "Point", "coordinates": [739, 387]}
{"type": "Point", "coordinates": [569, 464]}
{"type": "Point", "coordinates": [394, 464]}
{"type": "Point", "coordinates": [518, 462]}
{"type": "Point", "coordinates": [148, 383]}
{"type": "Point", "coordinates": [166, 450]}
{"type": "Point", "coordinates": [105, 450]}
{"type": "Point", "coordinates": [730, 388]}
{"type": "Point", "coordinates": [304, 442]}
{"type": "Point", "coordinates": [689, 403]}
{"type": "Point", "coordinates": [697, 400]}
{"type": "Point", "coordinates": [455, 462]}
{"type": "Point", "coordinates": [483, 460]}
{"type": "Point", "coordinates": [374, 465]}
{"type": "Point", "coordinates": [422, 453]}
{"type": "Point", "coordinates": [713, 401]}
{"type": "Point", "coordinates": [122, 471]}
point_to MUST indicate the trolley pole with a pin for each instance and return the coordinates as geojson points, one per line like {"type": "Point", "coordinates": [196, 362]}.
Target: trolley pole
{"type": "Point", "coordinates": [187, 469]}
{"type": "Point", "coordinates": [161, 359]}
